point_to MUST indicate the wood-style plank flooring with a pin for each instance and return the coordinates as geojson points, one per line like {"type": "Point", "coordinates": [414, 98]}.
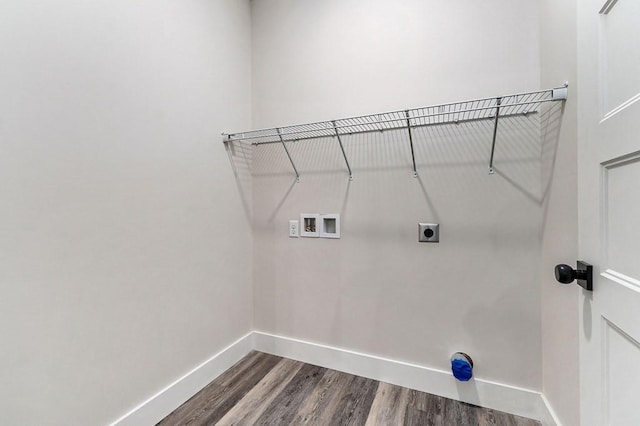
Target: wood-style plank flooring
{"type": "Point", "coordinates": [264, 389]}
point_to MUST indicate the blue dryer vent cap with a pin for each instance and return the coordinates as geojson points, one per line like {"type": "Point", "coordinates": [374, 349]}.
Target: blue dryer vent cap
{"type": "Point", "coordinates": [462, 366]}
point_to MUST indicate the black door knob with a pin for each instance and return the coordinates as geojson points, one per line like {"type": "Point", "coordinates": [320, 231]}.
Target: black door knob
{"type": "Point", "coordinates": [565, 274]}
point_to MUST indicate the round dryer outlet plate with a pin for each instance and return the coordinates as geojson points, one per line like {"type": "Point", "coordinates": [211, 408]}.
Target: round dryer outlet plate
{"type": "Point", "coordinates": [428, 232]}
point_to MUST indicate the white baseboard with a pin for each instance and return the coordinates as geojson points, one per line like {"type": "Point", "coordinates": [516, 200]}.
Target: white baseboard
{"type": "Point", "coordinates": [171, 397]}
{"type": "Point", "coordinates": [510, 399]}
{"type": "Point", "coordinates": [552, 418]}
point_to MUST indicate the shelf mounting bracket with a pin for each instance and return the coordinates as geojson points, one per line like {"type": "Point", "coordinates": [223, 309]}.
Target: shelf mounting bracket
{"type": "Point", "coordinates": [495, 132]}
{"type": "Point", "coordinates": [335, 129]}
{"type": "Point", "coordinates": [413, 156]}
{"type": "Point", "coordinates": [289, 155]}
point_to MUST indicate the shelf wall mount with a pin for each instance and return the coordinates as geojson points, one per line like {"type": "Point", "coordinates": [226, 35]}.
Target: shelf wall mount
{"type": "Point", "coordinates": [491, 109]}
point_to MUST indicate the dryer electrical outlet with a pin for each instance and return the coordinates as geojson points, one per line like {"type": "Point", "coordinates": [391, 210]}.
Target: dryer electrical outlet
{"type": "Point", "coordinates": [428, 232]}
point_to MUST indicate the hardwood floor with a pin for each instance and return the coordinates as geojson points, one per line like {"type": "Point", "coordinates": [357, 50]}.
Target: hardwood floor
{"type": "Point", "coordinates": [264, 389]}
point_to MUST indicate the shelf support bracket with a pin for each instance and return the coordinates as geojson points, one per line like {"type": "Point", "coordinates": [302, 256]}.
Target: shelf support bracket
{"type": "Point", "coordinates": [495, 132]}
{"type": "Point", "coordinates": [413, 156]}
{"type": "Point", "coordinates": [335, 129]}
{"type": "Point", "coordinates": [289, 155]}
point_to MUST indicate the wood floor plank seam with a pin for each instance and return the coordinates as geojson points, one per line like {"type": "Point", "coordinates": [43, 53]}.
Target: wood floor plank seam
{"type": "Point", "coordinates": [212, 402]}
{"type": "Point", "coordinates": [257, 400]}
{"type": "Point", "coordinates": [285, 405]}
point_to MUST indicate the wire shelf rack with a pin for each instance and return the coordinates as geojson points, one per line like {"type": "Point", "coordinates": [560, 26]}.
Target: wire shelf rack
{"type": "Point", "coordinates": [520, 104]}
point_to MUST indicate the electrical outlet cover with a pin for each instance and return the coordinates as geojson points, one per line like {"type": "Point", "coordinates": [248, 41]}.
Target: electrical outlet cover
{"type": "Point", "coordinates": [294, 227]}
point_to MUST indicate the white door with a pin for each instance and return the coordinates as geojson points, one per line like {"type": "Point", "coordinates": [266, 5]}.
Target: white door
{"type": "Point", "coordinates": [609, 209]}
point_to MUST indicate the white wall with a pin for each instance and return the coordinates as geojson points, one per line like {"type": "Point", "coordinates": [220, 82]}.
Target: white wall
{"type": "Point", "coordinates": [560, 352]}
{"type": "Point", "coordinates": [377, 290]}
{"type": "Point", "coordinates": [322, 59]}
{"type": "Point", "coordinates": [125, 252]}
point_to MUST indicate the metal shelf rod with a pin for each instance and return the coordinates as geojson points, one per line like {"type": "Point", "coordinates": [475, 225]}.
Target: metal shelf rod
{"type": "Point", "coordinates": [413, 156]}
{"type": "Point", "coordinates": [403, 127]}
{"type": "Point", "coordinates": [373, 123]}
{"type": "Point", "coordinates": [536, 92]}
{"type": "Point", "coordinates": [495, 132]}
{"type": "Point", "coordinates": [289, 155]}
{"type": "Point", "coordinates": [342, 149]}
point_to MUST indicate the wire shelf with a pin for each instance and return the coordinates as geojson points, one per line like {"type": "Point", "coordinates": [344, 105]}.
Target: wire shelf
{"type": "Point", "coordinates": [520, 104]}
